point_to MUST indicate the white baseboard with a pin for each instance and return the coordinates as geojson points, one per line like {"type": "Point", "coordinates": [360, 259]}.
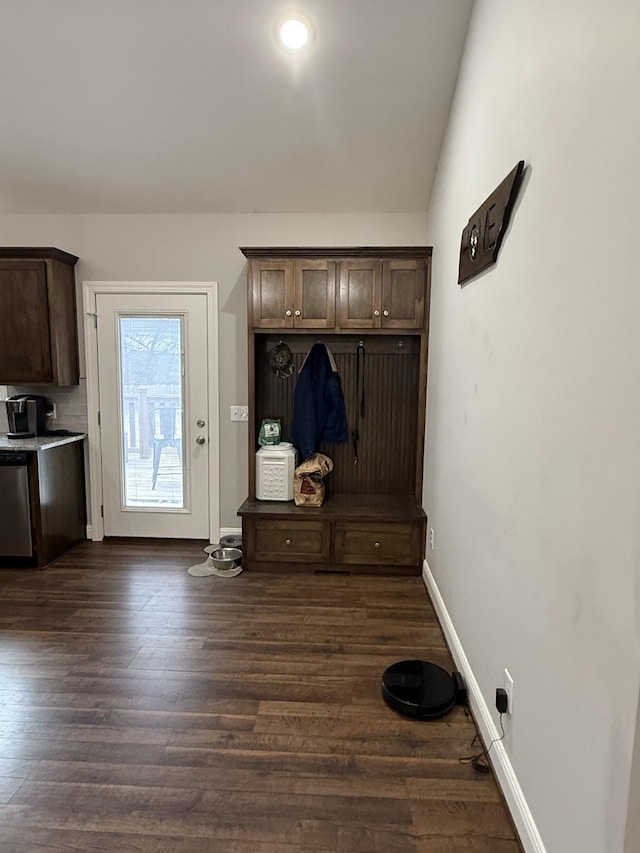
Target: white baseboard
{"type": "Point", "coordinates": [230, 531]}
{"type": "Point", "coordinates": [507, 779]}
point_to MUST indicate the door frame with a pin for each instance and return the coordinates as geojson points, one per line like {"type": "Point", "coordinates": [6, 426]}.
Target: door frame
{"type": "Point", "coordinates": [90, 291]}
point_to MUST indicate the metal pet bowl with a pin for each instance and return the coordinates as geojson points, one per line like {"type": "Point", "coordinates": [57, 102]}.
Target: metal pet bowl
{"type": "Point", "coordinates": [226, 558]}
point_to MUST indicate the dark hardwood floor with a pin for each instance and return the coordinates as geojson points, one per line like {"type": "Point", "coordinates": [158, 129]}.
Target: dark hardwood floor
{"type": "Point", "coordinates": [143, 709]}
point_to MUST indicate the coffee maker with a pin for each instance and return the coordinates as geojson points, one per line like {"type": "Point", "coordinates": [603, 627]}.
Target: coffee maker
{"type": "Point", "coordinates": [27, 415]}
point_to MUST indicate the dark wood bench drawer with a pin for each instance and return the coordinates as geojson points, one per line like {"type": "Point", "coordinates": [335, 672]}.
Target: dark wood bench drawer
{"type": "Point", "coordinates": [291, 541]}
{"type": "Point", "coordinates": [378, 544]}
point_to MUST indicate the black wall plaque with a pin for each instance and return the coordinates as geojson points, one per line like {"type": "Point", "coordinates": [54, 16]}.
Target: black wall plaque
{"type": "Point", "coordinates": [484, 233]}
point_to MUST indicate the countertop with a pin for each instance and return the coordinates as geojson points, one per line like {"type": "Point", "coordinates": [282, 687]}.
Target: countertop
{"type": "Point", "coordinates": [41, 442]}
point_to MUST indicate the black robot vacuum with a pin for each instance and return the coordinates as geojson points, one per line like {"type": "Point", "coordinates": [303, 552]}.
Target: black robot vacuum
{"type": "Point", "coordinates": [422, 690]}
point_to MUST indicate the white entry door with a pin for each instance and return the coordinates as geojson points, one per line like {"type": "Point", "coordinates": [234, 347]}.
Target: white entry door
{"type": "Point", "coordinates": [153, 377]}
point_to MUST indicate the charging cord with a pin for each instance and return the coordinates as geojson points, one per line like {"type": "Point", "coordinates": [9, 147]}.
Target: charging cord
{"type": "Point", "coordinates": [480, 761]}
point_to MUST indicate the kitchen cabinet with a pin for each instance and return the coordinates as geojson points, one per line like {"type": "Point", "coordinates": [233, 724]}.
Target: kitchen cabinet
{"type": "Point", "coordinates": [38, 326]}
{"type": "Point", "coordinates": [48, 506]}
{"type": "Point", "coordinates": [370, 306]}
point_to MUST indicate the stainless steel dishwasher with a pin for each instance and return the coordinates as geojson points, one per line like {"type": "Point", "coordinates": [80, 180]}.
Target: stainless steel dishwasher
{"type": "Point", "coordinates": [15, 510]}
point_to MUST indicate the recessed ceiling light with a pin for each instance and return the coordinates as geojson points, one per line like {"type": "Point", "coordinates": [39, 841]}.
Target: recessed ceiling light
{"type": "Point", "coordinates": [294, 32]}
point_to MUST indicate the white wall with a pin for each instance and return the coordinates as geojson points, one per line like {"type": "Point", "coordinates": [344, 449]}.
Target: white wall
{"type": "Point", "coordinates": [200, 248]}
{"type": "Point", "coordinates": [532, 465]}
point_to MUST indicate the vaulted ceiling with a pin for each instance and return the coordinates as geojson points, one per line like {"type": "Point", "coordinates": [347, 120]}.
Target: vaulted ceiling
{"type": "Point", "coordinates": [190, 106]}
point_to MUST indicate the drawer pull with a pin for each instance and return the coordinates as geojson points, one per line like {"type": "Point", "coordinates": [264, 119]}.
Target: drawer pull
{"type": "Point", "coordinates": [287, 541]}
{"type": "Point", "coordinates": [376, 545]}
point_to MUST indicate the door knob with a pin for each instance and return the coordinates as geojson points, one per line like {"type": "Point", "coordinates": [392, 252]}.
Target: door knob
{"type": "Point", "coordinates": [200, 439]}
{"type": "Point", "coordinates": [200, 423]}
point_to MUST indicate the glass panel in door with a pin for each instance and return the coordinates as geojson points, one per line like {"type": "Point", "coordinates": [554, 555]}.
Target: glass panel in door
{"type": "Point", "coordinates": [152, 411]}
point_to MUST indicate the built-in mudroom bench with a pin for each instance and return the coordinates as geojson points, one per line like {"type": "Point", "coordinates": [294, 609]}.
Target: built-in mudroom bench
{"type": "Point", "coordinates": [370, 306]}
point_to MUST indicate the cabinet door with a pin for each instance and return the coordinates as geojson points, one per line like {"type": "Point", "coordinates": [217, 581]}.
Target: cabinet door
{"type": "Point", "coordinates": [314, 294]}
{"type": "Point", "coordinates": [403, 294]}
{"type": "Point", "coordinates": [272, 294]}
{"type": "Point", "coordinates": [25, 345]}
{"type": "Point", "coordinates": [360, 294]}
{"type": "Point", "coordinates": [59, 511]}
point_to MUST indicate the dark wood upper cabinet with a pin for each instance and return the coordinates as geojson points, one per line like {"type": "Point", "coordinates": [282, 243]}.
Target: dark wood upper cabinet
{"type": "Point", "coordinates": [272, 294]}
{"type": "Point", "coordinates": [287, 294]}
{"type": "Point", "coordinates": [314, 294]}
{"type": "Point", "coordinates": [340, 290]}
{"type": "Point", "coordinates": [403, 294]}
{"type": "Point", "coordinates": [38, 325]}
{"type": "Point", "coordinates": [388, 294]}
{"type": "Point", "coordinates": [360, 293]}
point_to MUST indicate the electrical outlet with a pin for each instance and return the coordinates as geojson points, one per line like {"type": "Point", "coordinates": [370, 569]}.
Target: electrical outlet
{"type": "Point", "coordinates": [508, 686]}
{"type": "Point", "coordinates": [432, 538]}
{"type": "Point", "coordinates": [239, 413]}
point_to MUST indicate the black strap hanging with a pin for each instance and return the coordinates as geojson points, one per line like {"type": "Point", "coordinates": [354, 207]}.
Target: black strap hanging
{"type": "Point", "coordinates": [355, 434]}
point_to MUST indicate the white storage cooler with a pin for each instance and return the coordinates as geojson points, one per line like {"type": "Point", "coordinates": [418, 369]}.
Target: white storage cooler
{"type": "Point", "coordinates": [275, 465]}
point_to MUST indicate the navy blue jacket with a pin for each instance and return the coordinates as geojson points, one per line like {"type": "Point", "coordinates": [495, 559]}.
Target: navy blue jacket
{"type": "Point", "coordinates": [319, 413]}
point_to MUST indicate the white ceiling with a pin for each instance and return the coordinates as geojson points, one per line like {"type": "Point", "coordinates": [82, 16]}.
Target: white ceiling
{"type": "Point", "coordinates": [189, 106]}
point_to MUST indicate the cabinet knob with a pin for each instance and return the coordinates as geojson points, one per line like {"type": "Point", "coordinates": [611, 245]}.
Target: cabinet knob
{"type": "Point", "coordinates": [376, 545]}
{"type": "Point", "coordinates": [297, 313]}
{"type": "Point", "coordinates": [376, 313]}
{"type": "Point", "coordinates": [200, 439]}
{"type": "Point", "coordinates": [385, 313]}
{"type": "Point", "coordinates": [287, 313]}
{"type": "Point", "coordinates": [287, 541]}
{"type": "Point", "coordinates": [200, 423]}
